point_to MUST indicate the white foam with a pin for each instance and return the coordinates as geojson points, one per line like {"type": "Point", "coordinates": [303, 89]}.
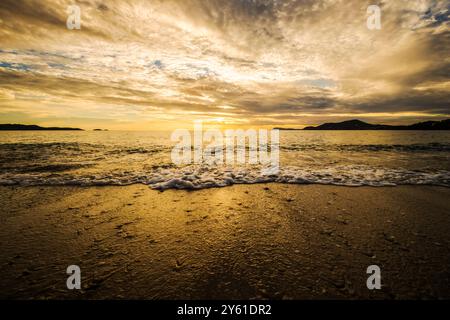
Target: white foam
{"type": "Point", "coordinates": [200, 177]}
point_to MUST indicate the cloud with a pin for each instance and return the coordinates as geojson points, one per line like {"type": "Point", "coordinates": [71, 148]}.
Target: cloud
{"type": "Point", "coordinates": [269, 61]}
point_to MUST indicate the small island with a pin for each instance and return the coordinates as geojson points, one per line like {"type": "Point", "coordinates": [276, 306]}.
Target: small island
{"type": "Point", "coordinates": [24, 127]}
{"type": "Point", "coordinates": [361, 125]}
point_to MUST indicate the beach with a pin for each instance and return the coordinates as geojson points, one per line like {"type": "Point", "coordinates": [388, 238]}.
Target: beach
{"type": "Point", "coordinates": [245, 150]}
{"type": "Point", "coordinates": [255, 241]}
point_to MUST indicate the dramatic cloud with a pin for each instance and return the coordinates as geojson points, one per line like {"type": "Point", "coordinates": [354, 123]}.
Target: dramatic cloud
{"type": "Point", "coordinates": [157, 64]}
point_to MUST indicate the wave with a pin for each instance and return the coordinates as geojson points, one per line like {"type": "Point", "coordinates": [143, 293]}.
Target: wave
{"type": "Point", "coordinates": [201, 177]}
{"type": "Point", "coordinates": [434, 147]}
{"type": "Point", "coordinates": [90, 164]}
{"type": "Point", "coordinates": [115, 149]}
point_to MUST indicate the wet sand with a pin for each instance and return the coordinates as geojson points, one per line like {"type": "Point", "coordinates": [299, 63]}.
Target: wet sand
{"type": "Point", "coordinates": [265, 241]}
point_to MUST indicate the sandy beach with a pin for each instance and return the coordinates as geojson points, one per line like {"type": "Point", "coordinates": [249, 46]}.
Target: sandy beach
{"type": "Point", "coordinates": [262, 241]}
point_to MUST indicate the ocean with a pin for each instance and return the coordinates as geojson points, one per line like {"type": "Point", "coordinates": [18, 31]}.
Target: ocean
{"type": "Point", "coordinates": [350, 158]}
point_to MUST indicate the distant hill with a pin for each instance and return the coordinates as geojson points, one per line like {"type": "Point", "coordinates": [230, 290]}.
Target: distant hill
{"type": "Point", "coordinates": [17, 127]}
{"type": "Point", "coordinates": [352, 125]}
{"type": "Point", "coordinates": [431, 125]}
{"type": "Point", "coordinates": [361, 125]}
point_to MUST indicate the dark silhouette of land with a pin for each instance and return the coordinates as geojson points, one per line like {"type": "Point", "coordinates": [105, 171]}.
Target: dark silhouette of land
{"type": "Point", "coordinates": [23, 127]}
{"type": "Point", "coordinates": [361, 125]}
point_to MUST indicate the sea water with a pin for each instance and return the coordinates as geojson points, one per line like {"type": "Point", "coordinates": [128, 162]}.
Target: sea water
{"type": "Point", "coordinates": [350, 158]}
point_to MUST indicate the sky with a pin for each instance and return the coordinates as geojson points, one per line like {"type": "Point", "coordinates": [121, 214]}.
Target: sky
{"type": "Point", "coordinates": [152, 65]}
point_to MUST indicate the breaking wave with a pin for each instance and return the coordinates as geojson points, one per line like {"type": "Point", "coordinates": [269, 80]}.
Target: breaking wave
{"type": "Point", "coordinates": [200, 177]}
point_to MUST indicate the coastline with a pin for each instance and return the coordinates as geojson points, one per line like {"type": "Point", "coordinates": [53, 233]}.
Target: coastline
{"type": "Point", "coordinates": [261, 241]}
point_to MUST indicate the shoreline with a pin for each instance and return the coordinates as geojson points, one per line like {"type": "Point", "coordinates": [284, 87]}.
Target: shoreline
{"type": "Point", "coordinates": [161, 190]}
{"type": "Point", "coordinates": [248, 241]}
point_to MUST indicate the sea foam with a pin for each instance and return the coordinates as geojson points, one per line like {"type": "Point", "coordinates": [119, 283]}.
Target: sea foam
{"type": "Point", "coordinates": [200, 177]}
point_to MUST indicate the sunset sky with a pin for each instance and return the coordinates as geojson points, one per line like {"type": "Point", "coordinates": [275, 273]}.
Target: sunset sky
{"type": "Point", "coordinates": [155, 64]}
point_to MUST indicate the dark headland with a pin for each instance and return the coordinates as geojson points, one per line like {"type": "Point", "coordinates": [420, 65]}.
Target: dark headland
{"type": "Point", "coordinates": [23, 127]}
{"type": "Point", "coordinates": [361, 125]}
